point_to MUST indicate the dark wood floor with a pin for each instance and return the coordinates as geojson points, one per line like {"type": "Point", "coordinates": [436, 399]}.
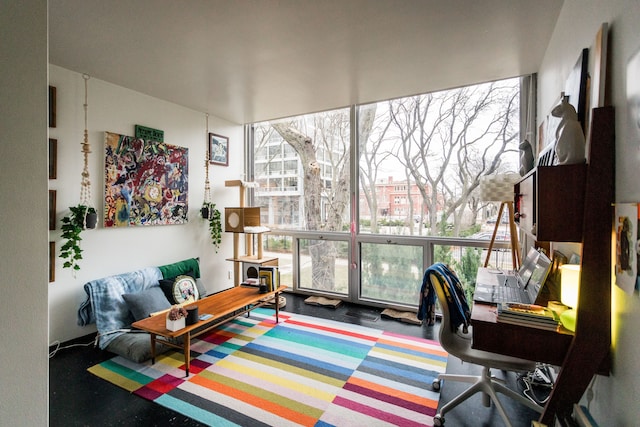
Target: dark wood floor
{"type": "Point", "coordinates": [78, 398]}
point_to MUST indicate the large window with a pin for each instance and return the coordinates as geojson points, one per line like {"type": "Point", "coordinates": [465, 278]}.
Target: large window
{"type": "Point", "coordinates": [367, 210]}
{"type": "Point", "coordinates": [305, 186]}
{"type": "Point", "coordinates": [391, 273]}
{"type": "Point", "coordinates": [305, 171]}
{"type": "Point", "coordinates": [421, 159]}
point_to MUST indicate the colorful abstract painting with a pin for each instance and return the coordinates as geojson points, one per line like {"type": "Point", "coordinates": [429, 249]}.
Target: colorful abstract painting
{"type": "Point", "coordinates": [146, 182]}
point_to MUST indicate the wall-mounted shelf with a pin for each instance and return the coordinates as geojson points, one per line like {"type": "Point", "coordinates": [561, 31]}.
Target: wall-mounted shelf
{"type": "Point", "coordinates": [555, 215]}
{"type": "Point", "coordinates": [588, 353]}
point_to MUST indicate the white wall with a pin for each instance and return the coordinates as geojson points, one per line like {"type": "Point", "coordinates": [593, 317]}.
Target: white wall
{"type": "Point", "coordinates": [23, 233]}
{"type": "Point", "coordinates": [615, 401]}
{"type": "Point", "coordinates": [117, 250]}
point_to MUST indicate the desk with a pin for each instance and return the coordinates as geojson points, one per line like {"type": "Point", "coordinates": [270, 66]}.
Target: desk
{"type": "Point", "coordinates": [588, 351]}
{"type": "Point", "coordinates": [515, 340]}
{"type": "Point", "coordinates": [224, 306]}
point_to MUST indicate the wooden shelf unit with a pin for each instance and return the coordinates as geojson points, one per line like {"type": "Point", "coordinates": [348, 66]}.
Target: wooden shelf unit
{"type": "Point", "coordinates": [589, 350]}
{"type": "Point", "coordinates": [244, 218]}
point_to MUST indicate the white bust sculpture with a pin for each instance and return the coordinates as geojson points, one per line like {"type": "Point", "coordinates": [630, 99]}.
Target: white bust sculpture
{"type": "Point", "coordinates": [570, 143]}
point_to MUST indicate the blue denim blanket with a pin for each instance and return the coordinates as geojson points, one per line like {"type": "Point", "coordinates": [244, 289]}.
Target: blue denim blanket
{"type": "Point", "coordinates": [105, 306]}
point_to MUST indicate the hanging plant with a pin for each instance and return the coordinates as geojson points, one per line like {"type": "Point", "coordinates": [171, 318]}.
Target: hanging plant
{"type": "Point", "coordinates": [210, 213]}
{"type": "Point", "coordinates": [208, 210]}
{"type": "Point", "coordinates": [80, 218]}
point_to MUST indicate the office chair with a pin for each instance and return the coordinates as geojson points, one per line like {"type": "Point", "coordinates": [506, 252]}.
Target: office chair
{"type": "Point", "coordinates": [458, 343]}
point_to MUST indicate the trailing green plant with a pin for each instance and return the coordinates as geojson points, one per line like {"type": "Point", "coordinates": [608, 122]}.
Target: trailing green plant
{"type": "Point", "coordinates": [213, 215]}
{"type": "Point", "coordinates": [72, 226]}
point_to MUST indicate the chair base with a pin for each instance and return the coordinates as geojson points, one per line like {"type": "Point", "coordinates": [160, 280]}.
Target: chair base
{"type": "Point", "coordinates": [489, 386]}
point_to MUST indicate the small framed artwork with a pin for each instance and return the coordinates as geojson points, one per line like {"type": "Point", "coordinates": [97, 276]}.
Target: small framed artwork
{"type": "Point", "coordinates": [52, 106]}
{"type": "Point", "coordinates": [52, 262]}
{"type": "Point", "coordinates": [626, 223]}
{"type": "Point", "coordinates": [53, 158]}
{"type": "Point", "coordinates": [52, 209]}
{"type": "Point", "coordinates": [218, 149]}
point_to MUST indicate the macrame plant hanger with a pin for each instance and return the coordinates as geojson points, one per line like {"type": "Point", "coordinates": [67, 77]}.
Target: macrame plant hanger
{"type": "Point", "coordinates": [85, 183]}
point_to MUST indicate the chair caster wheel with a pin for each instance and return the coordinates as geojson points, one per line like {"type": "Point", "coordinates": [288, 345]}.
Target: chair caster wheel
{"type": "Point", "coordinates": [436, 384]}
{"type": "Point", "coordinates": [438, 420]}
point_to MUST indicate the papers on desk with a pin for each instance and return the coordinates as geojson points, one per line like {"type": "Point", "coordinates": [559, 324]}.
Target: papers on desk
{"type": "Point", "coordinates": [530, 315]}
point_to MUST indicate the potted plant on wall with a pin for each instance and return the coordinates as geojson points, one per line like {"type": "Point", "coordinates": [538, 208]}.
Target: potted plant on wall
{"type": "Point", "coordinates": [211, 214]}
{"type": "Point", "coordinates": [80, 218]}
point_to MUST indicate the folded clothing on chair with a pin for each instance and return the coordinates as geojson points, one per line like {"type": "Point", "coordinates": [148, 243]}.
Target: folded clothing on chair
{"type": "Point", "coordinates": [454, 293]}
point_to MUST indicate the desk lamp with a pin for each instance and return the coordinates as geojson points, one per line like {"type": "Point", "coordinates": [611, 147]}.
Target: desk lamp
{"type": "Point", "coordinates": [570, 287]}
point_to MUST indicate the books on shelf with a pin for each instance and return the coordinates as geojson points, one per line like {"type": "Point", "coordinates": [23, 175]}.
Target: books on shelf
{"type": "Point", "coordinates": [530, 315]}
{"type": "Point", "coordinates": [271, 276]}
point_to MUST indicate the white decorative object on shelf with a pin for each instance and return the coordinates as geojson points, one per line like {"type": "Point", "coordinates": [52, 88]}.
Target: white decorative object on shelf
{"type": "Point", "coordinates": [175, 325]}
{"type": "Point", "coordinates": [570, 143]}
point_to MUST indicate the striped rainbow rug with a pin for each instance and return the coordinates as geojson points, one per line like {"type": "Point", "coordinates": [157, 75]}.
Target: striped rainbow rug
{"type": "Point", "coordinates": [303, 371]}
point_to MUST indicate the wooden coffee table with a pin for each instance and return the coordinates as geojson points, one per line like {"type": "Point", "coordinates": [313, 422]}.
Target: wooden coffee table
{"type": "Point", "coordinates": [223, 306]}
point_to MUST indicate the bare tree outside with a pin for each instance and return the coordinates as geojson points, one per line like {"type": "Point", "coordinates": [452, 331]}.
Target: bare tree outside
{"type": "Point", "coordinates": [420, 163]}
{"type": "Point", "coordinates": [446, 141]}
{"type": "Point", "coordinates": [322, 146]}
{"type": "Point", "coordinates": [371, 137]}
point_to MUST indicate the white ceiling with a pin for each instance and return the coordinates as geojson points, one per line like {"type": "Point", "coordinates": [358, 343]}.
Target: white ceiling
{"type": "Point", "coordinates": [252, 60]}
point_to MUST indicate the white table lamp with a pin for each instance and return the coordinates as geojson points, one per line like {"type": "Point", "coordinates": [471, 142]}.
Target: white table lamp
{"type": "Point", "coordinates": [569, 290]}
{"type": "Point", "coordinates": [498, 188]}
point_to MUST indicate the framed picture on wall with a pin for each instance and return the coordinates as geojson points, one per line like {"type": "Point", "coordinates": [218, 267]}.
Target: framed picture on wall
{"type": "Point", "coordinates": [52, 209]}
{"type": "Point", "coordinates": [52, 262]}
{"type": "Point", "coordinates": [53, 158]}
{"type": "Point", "coordinates": [52, 106]}
{"type": "Point", "coordinates": [218, 149]}
{"type": "Point", "coordinates": [626, 227]}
